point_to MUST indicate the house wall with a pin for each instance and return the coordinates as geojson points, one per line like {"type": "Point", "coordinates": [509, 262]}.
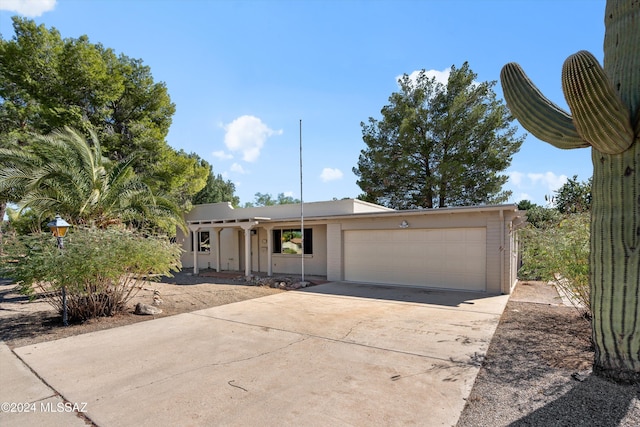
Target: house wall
{"type": "Point", "coordinates": [232, 251]}
{"type": "Point", "coordinates": [342, 216]}
{"type": "Point", "coordinates": [224, 211]}
{"type": "Point", "coordinates": [335, 271]}
{"type": "Point", "coordinates": [229, 249]}
{"type": "Point", "coordinates": [501, 251]}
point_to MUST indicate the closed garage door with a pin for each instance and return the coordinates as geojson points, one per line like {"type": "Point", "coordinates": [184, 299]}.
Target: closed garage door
{"type": "Point", "coordinates": [452, 258]}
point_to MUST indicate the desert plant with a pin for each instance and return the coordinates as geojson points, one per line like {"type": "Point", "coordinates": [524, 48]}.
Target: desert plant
{"type": "Point", "coordinates": [101, 270]}
{"type": "Point", "coordinates": [558, 251]}
{"type": "Point", "coordinates": [605, 107]}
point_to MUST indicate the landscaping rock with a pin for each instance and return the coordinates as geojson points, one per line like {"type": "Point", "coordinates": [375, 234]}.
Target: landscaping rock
{"type": "Point", "coordinates": [145, 309]}
{"type": "Point", "coordinates": [156, 298]}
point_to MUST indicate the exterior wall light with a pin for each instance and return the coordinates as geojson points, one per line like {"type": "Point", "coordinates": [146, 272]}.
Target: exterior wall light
{"type": "Point", "coordinates": [404, 224]}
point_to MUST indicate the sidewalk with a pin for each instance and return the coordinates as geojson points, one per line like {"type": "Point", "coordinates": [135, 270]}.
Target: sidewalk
{"type": "Point", "coordinates": [26, 400]}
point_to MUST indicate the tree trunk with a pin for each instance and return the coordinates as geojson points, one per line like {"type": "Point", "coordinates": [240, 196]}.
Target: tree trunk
{"type": "Point", "coordinates": [615, 264]}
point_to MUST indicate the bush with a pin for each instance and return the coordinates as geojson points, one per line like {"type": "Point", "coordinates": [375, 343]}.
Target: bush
{"type": "Point", "coordinates": [558, 251]}
{"type": "Point", "coordinates": [100, 270]}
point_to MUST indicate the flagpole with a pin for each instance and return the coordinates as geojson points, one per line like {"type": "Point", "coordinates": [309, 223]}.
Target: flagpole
{"type": "Point", "coordinates": [301, 203]}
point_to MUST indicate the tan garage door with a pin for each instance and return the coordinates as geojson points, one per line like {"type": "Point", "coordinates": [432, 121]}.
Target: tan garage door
{"type": "Point", "coordinates": [452, 258]}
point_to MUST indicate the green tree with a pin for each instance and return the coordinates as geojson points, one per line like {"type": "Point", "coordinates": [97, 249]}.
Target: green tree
{"type": "Point", "coordinates": [268, 200]}
{"type": "Point", "coordinates": [573, 196]}
{"type": "Point", "coordinates": [178, 175]}
{"type": "Point", "coordinates": [541, 217]}
{"type": "Point", "coordinates": [524, 205]}
{"type": "Point", "coordinates": [24, 221]}
{"type": "Point", "coordinates": [286, 200]}
{"type": "Point", "coordinates": [47, 83]}
{"type": "Point", "coordinates": [438, 145]}
{"type": "Point", "coordinates": [605, 115]}
{"type": "Point", "coordinates": [62, 173]}
{"type": "Point", "coordinates": [216, 190]}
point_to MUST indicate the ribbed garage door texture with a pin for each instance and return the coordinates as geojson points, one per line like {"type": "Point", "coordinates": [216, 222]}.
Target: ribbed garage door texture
{"type": "Point", "coordinates": [452, 258]}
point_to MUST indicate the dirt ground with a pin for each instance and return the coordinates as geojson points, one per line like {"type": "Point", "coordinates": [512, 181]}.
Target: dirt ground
{"type": "Point", "coordinates": [536, 371]}
{"type": "Point", "coordinates": [24, 322]}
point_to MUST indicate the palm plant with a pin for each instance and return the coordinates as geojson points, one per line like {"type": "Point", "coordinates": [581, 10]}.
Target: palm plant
{"type": "Point", "coordinates": [63, 173]}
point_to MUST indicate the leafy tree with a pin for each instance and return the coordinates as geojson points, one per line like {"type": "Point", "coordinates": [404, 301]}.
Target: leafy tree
{"type": "Point", "coordinates": [216, 190]}
{"type": "Point", "coordinates": [178, 175]}
{"type": "Point", "coordinates": [524, 205]}
{"type": "Point", "coordinates": [573, 196]}
{"type": "Point", "coordinates": [97, 282]}
{"type": "Point", "coordinates": [24, 221]}
{"type": "Point", "coordinates": [438, 145]}
{"type": "Point", "coordinates": [540, 217]}
{"type": "Point", "coordinates": [286, 200]}
{"type": "Point", "coordinates": [47, 83]}
{"type": "Point", "coordinates": [62, 173]}
{"type": "Point", "coordinates": [268, 200]}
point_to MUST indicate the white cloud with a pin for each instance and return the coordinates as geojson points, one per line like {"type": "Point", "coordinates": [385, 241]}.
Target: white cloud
{"type": "Point", "coordinates": [237, 168]}
{"type": "Point", "coordinates": [288, 194]}
{"type": "Point", "coordinates": [247, 134]}
{"type": "Point", "coordinates": [516, 178]}
{"type": "Point", "coordinates": [534, 187]}
{"type": "Point", "coordinates": [330, 174]}
{"type": "Point", "coordinates": [549, 179]}
{"type": "Point", "coordinates": [28, 8]}
{"type": "Point", "coordinates": [440, 76]}
{"type": "Point", "coordinates": [222, 155]}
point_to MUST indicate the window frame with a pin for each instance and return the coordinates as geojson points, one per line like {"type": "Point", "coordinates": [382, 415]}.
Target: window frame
{"type": "Point", "coordinates": [204, 244]}
{"type": "Point", "coordinates": [307, 241]}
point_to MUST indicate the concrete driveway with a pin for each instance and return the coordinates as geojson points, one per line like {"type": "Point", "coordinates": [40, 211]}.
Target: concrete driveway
{"type": "Point", "coordinates": [330, 355]}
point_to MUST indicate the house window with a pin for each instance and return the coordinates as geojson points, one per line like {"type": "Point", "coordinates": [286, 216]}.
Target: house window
{"type": "Point", "coordinates": [289, 241]}
{"type": "Point", "coordinates": [203, 239]}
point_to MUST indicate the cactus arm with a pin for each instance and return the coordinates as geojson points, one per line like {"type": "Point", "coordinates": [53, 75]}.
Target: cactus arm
{"type": "Point", "coordinates": [538, 115]}
{"type": "Point", "coordinates": [599, 115]}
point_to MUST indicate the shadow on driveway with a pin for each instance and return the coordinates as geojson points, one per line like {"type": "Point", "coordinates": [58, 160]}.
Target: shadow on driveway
{"type": "Point", "coordinates": [415, 295]}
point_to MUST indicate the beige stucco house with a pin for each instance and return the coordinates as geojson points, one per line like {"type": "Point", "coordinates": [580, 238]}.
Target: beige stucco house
{"type": "Point", "coordinates": [464, 248]}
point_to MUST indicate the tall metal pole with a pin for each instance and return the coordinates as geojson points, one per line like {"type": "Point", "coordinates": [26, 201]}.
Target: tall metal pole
{"type": "Point", "coordinates": [301, 202]}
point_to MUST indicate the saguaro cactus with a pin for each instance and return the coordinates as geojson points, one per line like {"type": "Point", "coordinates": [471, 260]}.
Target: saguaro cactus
{"type": "Point", "coordinates": [605, 107]}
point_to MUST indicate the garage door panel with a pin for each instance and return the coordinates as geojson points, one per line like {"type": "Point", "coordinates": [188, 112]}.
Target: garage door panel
{"type": "Point", "coordinates": [450, 258]}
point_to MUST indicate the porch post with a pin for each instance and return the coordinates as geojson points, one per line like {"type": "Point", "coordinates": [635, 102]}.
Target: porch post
{"type": "Point", "coordinates": [216, 232]}
{"type": "Point", "coordinates": [269, 250]}
{"type": "Point", "coordinates": [194, 230]}
{"type": "Point", "coordinates": [247, 248]}
{"type": "Point", "coordinates": [194, 235]}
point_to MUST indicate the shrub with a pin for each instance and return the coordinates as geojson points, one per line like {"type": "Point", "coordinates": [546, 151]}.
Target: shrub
{"type": "Point", "coordinates": [558, 251]}
{"type": "Point", "coordinates": [101, 270]}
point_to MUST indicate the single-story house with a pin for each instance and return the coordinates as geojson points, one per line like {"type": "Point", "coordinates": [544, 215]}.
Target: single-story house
{"type": "Point", "coordinates": [465, 248]}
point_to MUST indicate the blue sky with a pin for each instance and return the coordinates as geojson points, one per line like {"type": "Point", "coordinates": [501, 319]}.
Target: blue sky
{"type": "Point", "coordinates": [244, 73]}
